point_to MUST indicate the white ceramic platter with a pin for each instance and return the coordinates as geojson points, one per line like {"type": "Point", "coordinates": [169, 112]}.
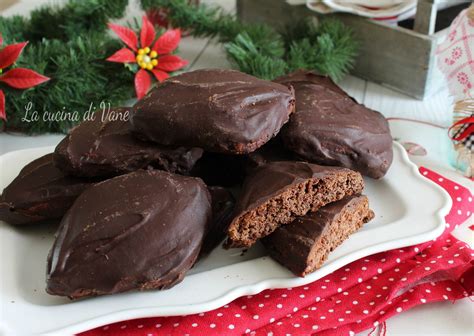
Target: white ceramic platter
{"type": "Point", "coordinates": [409, 210]}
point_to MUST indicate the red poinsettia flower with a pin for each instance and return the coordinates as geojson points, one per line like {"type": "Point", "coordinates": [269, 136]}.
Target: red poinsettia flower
{"type": "Point", "coordinates": [150, 55]}
{"type": "Point", "coordinates": [18, 78]}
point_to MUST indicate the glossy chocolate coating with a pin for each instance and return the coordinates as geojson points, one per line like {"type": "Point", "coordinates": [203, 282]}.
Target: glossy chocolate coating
{"type": "Point", "coordinates": [270, 152]}
{"type": "Point", "coordinates": [217, 169]}
{"type": "Point", "coordinates": [40, 192]}
{"type": "Point", "coordinates": [230, 170]}
{"type": "Point", "coordinates": [219, 110]}
{"type": "Point", "coordinates": [142, 230]}
{"type": "Point", "coordinates": [107, 148]}
{"type": "Point", "coordinates": [331, 128]}
{"type": "Point", "coordinates": [222, 206]}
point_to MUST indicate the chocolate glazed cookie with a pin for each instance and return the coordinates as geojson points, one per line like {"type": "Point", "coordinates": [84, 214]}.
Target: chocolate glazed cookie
{"type": "Point", "coordinates": [222, 206]}
{"type": "Point", "coordinates": [39, 193]}
{"type": "Point", "coordinates": [219, 110]}
{"type": "Point", "coordinates": [331, 128]}
{"type": "Point", "coordinates": [107, 148]}
{"type": "Point", "coordinates": [141, 230]}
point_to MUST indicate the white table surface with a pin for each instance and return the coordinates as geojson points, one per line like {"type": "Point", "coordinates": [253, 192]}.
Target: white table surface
{"type": "Point", "coordinates": [442, 318]}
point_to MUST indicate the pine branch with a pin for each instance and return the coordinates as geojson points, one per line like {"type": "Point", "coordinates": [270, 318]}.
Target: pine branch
{"type": "Point", "coordinates": [203, 20]}
{"type": "Point", "coordinates": [266, 40]}
{"type": "Point", "coordinates": [298, 30]}
{"type": "Point", "coordinates": [69, 44]}
{"type": "Point", "coordinates": [76, 16]}
{"type": "Point", "coordinates": [250, 59]}
{"type": "Point", "coordinates": [80, 76]}
{"type": "Point", "coordinates": [328, 48]}
{"type": "Point", "coordinates": [343, 49]}
{"type": "Point", "coordinates": [12, 28]}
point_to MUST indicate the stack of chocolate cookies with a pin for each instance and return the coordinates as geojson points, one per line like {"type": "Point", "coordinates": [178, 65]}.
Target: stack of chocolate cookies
{"type": "Point", "coordinates": [141, 200]}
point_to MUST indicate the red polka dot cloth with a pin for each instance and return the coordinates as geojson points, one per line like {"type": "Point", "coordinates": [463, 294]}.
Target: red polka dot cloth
{"type": "Point", "coordinates": [357, 297]}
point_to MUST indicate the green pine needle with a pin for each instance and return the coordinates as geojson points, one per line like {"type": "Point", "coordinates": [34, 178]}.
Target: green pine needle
{"type": "Point", "coordinates": [250, 59]}
{"type": "Point", "coordinates": [329, 48]}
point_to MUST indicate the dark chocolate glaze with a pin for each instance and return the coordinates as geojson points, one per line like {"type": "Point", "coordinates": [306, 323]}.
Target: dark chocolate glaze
{"type": "Point", "coordinates": [270, 152]}
{"type": "Point", "coordinates": [292, 244]}
{"type": "Point", "coordinates": [219, 110]}
{"type": "Point", "coordinates": [107, 148]}
{"type": "Point", "coordinates": [218, 169]}
{"type": "Point", "coordinates": [230, 170]}
{"type": "Point", "coordinates": [222, 206]}
{"type": "Point", "coordinates": [141, 230]}
{"type": "Point", "coordinates": [273, 178]}
{"type": "Point", "coordinates": [39, 193]}
{"type": "Point", "coordinates": [331, 128]}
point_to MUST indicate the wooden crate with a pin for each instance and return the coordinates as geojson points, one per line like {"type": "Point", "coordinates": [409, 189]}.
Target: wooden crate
{"type": "Point", "coordinates": [392, 56]}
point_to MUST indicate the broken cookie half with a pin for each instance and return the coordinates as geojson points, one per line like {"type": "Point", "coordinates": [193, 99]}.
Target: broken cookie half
{"type": "Point", "coordinates": [278, 192]}
{"type": "Point", "coordinates": [304, 245]}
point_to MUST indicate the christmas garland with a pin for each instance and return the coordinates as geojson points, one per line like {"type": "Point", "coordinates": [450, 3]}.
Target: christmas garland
{"type": "Point", "coordinates": [70, 45]}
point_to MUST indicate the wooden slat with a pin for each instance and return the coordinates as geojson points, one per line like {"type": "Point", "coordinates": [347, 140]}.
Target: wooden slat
{"type": "Point", "coordinates": [392, 56]}
{"type": "Point", "coordinates": [425, 19]}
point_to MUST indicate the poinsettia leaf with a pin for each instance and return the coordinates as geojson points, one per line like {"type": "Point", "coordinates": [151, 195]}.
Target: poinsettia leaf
{"type": "Point", "coordinates": [147, 34]}
{"type": "Point", "coordinates": [3, 113]}
{"type": "Point", "coordinates": [127, 35]}
{"type": "Point", "coordinates": [124, 55]}
{"type": "Point", "coordinates": [167, 42]}
{"type": "Point", "coordinates": [171, 63]}
{"type": "Point", "coordinates": [142, 83]}
{"type": "Point", "coordinates": [10, 53]}
{"type": "Point", "coordinates": [160, 75]}
{"type": "Point", "coordinates": [20, 78]}
{"type": "Point", "coordinates": [1, 40]}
